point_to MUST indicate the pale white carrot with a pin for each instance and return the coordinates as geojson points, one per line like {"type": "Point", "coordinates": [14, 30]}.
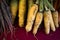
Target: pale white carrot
{"type": "Point", "coordinates": [47, 22]}
{"type": "Point", "coordinates": [55, 18]}
{"type": "Point", "coordinates": [38, 21]}
{"type": "Point", "coordinates": [51, 22]}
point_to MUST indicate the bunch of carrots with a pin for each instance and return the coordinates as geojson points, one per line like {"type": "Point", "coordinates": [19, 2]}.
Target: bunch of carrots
{"type": "Point", "coordinates": [33, 12]}
{"type": "Point", "coordinates": [38, 11]}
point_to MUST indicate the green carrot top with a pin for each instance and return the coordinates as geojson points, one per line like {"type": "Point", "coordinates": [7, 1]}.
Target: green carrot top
{"type": "Point", "coordinates": [49, 5]}
{"type": "Point", "coordinates": [41, 8]}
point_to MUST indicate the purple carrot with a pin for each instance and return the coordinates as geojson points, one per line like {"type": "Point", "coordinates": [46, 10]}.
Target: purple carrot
{"type": "Point", "coordinates": [7, 9]}
{"type": "Point", "coordinates": [2, 22]}
{"type": "Point", "coordinates": [7, 18]}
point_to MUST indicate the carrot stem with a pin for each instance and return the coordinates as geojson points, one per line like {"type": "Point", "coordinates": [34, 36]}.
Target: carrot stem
{"type": "Point", "coordinates": [49, 5]}
{"type": "Point", "coordinates": [41, 6]}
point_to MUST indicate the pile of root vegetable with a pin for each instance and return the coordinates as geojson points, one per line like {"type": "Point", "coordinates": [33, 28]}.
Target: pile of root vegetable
{"type": "Point", "coordinates": [31, 13]}
{"type": "Point", "coordinates": [38, 11]}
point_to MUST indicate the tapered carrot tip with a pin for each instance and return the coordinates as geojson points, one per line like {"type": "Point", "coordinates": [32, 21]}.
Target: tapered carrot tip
{"type": "Point", "coordinates": [54, 29]}
{"type": "Point", "coordinates": [47, 28]}
{"type": "Point", "coordinates": [47, 31]}
{"type": "Point", "coordinates": [28, 28]}
{"type": "Point", "coordinates": [35, 31]}
{"type": "Point", "coordinates": [21, 23]}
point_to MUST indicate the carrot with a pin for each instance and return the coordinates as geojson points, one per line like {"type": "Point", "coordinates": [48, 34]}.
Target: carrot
{"type": "Point", "coordinates": [55, 18]}
{"type": "Point", "coordinates": [39, 17]}
{"type": "Point", "coordinates": [47, 22]}
{"type": "Point", "coordinates": [13, 7]}
{"type": "Point", "coordinates": [37, 23]}
{"type": "Point", "coordinates": [22, 10]}
{"type": "Point", "coordinates": [50, 14]}
{"type": "Point", "coordinates": [31, 16]}
{"type": "Point", "coordinates": [46, 19]}
{"type": "Point", "coordinates": [51, 22]}
{"type": "Point", "coordinates": [51, 19]}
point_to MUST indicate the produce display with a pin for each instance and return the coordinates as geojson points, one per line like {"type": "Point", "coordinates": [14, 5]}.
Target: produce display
{"type": "Point", "coordinates": [33, 12]}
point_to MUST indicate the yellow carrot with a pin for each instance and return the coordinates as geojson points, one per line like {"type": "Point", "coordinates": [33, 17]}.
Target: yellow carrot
{"type": "Point", "coordinates": [13, 7]}
{"type": "Point", "coordinates": [51, 22]}
{"type": "Point", "coordinates": [37, 23]}
{"type": "Point", "coordinates": [31, 16]}
{"type": "Point", "coordinates": [22, 11]}
{"type": "Point", "coordinates": [47, 22]}
{"type": "Point", "coordinates": [50, 15]}
{"type": "Point", "coordinates": [55, 18]}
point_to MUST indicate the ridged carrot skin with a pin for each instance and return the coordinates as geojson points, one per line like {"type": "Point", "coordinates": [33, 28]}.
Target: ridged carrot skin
{"type": "Point", "coordinates": [47, 22]}
{"type": "Point", "coordinates": [37, 23]}
{"type": "Point", "coordinates": [13, 7]}
{"type": "Point", "coordinates": [22, 10]}
{"type": "Point", "coordinates": [51, 22]}
{"type": "Point", "coordinates": [31, 16]}
{"type": "Point", "coordinates": [55, 18]}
